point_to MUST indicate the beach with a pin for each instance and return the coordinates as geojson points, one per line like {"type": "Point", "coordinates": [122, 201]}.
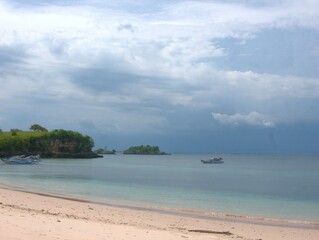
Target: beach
{"type": "Point", "coordinates": [26, 215]}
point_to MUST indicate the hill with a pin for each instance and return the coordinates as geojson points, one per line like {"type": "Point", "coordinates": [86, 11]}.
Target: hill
{"type": "Point", "coordinates": [144, 150]}
{"type": "Point", "coordinates": [55, 144]}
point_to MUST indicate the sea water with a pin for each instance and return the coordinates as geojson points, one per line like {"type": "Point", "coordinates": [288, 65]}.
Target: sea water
{"type": "Point", "coordinates": [270, 186]}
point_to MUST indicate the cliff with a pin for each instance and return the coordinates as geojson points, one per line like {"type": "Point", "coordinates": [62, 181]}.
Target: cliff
{"type": "Point", "coordinates": [55, 144]}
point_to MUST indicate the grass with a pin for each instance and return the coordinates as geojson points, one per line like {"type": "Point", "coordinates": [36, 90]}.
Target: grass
{"type": "Point", "coordinates": [21, 135]}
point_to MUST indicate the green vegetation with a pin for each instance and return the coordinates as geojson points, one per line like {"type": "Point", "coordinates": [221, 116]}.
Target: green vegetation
{"type": "Point", "coordinates": [38, 128]}
{"type": "Point", "coordinates": [104, 151]}
{"type": "Point", "coordinates": [144, 150]}
{"type": "Point", "coordinates": [58, 143]}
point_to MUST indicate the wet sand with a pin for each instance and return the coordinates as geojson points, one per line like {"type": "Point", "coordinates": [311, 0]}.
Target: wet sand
{"type": "Point", "coordinates": [29, 216]}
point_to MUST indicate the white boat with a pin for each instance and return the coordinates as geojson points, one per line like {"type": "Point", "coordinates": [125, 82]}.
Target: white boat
{"type": "Point", "coordinates": [213, 160]}
{"type": "Point", "coordinates": [22, 159]}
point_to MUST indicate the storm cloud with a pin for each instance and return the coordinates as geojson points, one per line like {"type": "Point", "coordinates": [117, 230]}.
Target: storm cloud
{"type": "Point", "coordinates": [152, 69]}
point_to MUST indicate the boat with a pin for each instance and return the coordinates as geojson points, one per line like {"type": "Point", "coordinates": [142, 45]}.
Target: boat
{"type": "Point", "coordinates": [213, 160]}
{"type": "Point", "coordinates": [22, 159]}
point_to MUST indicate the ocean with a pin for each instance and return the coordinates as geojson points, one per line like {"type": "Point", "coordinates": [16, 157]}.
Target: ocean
{"type": "Point", "coordinates": [270, 186]}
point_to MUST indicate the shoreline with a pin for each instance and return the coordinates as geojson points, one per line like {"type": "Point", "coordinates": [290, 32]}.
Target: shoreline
{"type": "Point", "coordinates": [144, 222]}
{"type": "Point", "coordinates": [201, 214]}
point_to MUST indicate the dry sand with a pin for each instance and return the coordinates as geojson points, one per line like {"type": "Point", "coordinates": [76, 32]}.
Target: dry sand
{"type": "Point", "coordinates": [29, 216]}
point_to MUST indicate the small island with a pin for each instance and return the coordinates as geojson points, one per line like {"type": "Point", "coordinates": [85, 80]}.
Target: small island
{"type": "Point", "coordinates": [144, 150]}
{"type": "Point", "coordinates": [104, 151]}
{"type": "Point", "coordinates": [58, 143]}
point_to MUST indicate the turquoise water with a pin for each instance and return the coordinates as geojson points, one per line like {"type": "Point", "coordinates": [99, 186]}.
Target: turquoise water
{"type": "Point", "coordinates": [254, 185]}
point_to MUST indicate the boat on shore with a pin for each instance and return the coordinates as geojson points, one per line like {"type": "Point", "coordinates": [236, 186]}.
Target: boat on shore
{"type": "Point", "coordinates": [213, 160]}
{"type": "Point", "coordinates": [22, 159]}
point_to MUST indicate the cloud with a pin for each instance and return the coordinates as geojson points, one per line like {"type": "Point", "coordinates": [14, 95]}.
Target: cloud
{"type": "Point", "coordinates": [252, 119]}
{"type": "Point", "coordinates": [126, 26]}
{"type": "Point", "coordinates": [295, 54]}
{"type": "Point", "coordinates": [117, 67]}
{"type": "Point", "coordinates": [178, 36]}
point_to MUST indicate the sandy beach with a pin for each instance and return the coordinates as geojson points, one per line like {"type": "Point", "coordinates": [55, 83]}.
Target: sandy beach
{"type": "Point", "coordinates": [30, 216]}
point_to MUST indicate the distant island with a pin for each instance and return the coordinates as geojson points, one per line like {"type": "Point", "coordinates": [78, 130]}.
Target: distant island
{"type": "Point", "coordinates": [144, 150]}
{"type": "Point", "coordinates": [58, 143]}
{"type": "Point", "coordinates": [104, 151]}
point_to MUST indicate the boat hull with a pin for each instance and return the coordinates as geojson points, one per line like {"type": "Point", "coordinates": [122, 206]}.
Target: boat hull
{"type": "Point", "coordinates": [213, 161]}
{"type": "Point", "coordinates": [22, 160]}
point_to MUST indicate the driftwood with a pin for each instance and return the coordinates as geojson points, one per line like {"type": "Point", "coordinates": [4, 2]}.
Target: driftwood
{"type": "Point", "coordinates": [211, 232]}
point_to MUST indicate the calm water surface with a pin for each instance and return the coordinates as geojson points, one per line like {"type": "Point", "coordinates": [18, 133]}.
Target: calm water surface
{"type": "Point", "coordinates": [257, 185]}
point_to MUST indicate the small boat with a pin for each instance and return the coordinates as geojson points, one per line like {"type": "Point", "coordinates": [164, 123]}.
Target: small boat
{"type": "Point", "coordinates": [22, 159]}
{"type": "Point", "coordinates": [213, 160]}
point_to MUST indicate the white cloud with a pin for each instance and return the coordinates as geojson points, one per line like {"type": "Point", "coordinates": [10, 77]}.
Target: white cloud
{"type": "Point", "coordinates": [267, 86]}
{"type": "Point", "coordinates": [177, 37]}
{"type": "Point", "coordinates": [173, 47]}
{"type": "Point", "coordinates": [184, 29]}
{"type": "Point", "coordinates": [252, 118]}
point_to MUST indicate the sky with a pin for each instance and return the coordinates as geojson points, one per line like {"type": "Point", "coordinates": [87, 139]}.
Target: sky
{"type": "Point", "coordinates": [201, 76]}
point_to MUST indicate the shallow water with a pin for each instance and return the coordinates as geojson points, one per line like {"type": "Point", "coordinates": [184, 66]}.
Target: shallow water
{"type": "Point", "coordinates": [254, 185]}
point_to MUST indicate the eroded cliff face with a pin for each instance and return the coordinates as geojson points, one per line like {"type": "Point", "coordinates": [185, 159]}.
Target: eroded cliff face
{"type": "Point", "coordinates": [55, 144]}
{"type": "Point", "coordinates": [68, 149]}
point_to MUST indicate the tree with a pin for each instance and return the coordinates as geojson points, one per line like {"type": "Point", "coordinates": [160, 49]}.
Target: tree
{"type": "Point", "coordinates": [15, 131]}
{"type": "Point", "coordinates": [148, 150]}
{"type": "Point", "coordinates": [104, 151]}
{"type": "Point", "coordinates": [38, 128]}
{"type": "Point", "coordinates": [59, 143]}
